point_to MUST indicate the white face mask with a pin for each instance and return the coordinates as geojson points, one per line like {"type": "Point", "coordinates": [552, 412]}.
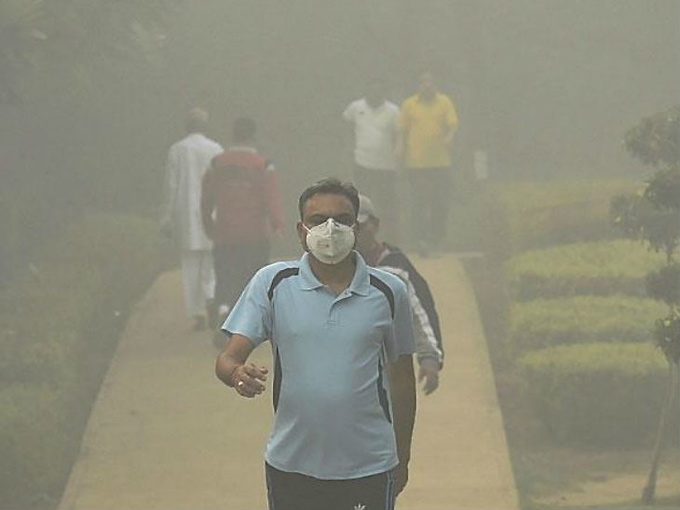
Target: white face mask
{"type": "Point", "coordinates": [331, 241]}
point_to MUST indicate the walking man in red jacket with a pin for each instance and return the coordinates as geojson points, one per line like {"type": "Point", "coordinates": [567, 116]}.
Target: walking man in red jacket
{"type": "Point", "coordinates": [241, 209]}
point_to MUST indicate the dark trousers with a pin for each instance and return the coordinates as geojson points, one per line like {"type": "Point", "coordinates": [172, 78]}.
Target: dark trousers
{"type": "Point", "coordinates": [430, 206]}
{"type": "Point", "coordinates": [293, 491]}
{"type": "Point", "coordinates": [235, 264]}
{"type": "Point", "coordinates": [381, 187]}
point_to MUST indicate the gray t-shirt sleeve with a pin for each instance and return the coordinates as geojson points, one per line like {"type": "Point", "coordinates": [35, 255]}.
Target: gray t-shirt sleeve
{"type": "Point", "coordinates": [251, 316]}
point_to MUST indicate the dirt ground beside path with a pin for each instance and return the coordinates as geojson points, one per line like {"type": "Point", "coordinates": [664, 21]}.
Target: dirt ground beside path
{"type": "Point", "coordinates": [164, 434]}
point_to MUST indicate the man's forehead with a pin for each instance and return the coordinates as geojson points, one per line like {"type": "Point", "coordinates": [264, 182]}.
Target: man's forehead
{"type": "Point", "coordinates": [329, 204]}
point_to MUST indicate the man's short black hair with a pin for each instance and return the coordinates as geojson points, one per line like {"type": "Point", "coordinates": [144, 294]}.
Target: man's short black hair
{"type": "Point", "coordinates": [332, 186]}
{"type": "Point", "coordinates": [244, 130]}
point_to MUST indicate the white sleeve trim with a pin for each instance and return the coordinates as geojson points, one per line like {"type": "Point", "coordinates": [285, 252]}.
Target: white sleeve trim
{"type": "Point", "coordinates": [426, 341]}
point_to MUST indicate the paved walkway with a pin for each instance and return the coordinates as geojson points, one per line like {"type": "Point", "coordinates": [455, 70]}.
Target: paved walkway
{"type": "Point", "coordinates": [165, 435]}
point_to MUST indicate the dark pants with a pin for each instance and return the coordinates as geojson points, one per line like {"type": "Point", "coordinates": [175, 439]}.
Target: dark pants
{"type": "Point", "coordinates": [381, 187]}
{"type": "Point", "coordinates": [235, 264]}
{"type": "Point", "coordinates": [431, 199]}
{"type": "Point", "coordinates": [293, 491]}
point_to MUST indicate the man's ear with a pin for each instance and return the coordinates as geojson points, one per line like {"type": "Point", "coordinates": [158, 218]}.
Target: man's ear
{"type": "Point", "coordinates": [302, 235]}
{"type": "Point", "coordinates": [372, 226]}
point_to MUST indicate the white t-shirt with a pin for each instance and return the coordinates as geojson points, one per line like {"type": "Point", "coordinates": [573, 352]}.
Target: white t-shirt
{"type": "Point", "coordinates": [375, 131]}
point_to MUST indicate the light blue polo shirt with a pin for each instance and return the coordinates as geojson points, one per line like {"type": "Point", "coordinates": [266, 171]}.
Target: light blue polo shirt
{"type": "Point", "coordinates": [333, 415]}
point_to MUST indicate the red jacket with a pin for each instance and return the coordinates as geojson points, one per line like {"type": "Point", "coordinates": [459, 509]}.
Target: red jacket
{"type": "Point", "coordinates": [240, 198]}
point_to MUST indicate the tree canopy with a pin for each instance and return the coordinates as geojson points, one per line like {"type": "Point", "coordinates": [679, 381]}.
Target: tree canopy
{"type": "Point", "coordinates": [35, 35]}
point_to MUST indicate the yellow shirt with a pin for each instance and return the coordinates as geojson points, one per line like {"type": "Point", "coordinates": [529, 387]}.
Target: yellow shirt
{"type": "Point", "coordinates": [425, 125]}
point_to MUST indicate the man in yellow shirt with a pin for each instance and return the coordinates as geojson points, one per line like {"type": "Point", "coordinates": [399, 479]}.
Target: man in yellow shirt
{"type": "Point", "coordinates": [428, 123]}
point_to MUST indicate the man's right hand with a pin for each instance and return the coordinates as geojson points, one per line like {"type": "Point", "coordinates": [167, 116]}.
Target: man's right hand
{"type": "Point", "coordinates": [248, 380]}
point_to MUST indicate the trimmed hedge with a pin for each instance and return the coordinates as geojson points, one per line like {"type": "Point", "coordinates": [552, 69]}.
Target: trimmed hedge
{"type": "Point", "coordinates": [59, 324]}
{"type": "Point", "coordinates": [581, 319]}
{"type": "Point", "coordinates": [530, 215]}
{"type": "Point", "coordinates": [599, 268]}
{"type": "Point", "coordinates": [597, 395]}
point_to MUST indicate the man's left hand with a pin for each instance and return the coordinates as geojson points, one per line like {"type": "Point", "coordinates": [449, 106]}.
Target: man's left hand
{"type": "Point", "coordinates": [429, 372]}
{"type": "Point", "coordinates": [401, 477]}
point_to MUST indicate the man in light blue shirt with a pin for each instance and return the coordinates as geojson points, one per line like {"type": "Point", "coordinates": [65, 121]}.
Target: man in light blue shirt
{"type": "Point", "coordinates": [342, 341]}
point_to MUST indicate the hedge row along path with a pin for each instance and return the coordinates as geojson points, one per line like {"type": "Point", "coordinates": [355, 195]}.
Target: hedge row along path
{"type": "Point", "coordinates": [164, 434]}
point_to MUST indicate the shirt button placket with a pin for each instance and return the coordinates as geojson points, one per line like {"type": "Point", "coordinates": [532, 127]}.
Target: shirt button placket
{"type": "Point", "coordinates": [331, 318]}
{"type": "Point", "coordinates": [333, 314]}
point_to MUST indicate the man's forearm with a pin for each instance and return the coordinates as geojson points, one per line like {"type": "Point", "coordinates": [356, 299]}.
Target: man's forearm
{"type": "Point", "coordinates": [234, 356]}
{"type": "Point", "coordinates": [224, 368]}
{"type": "Point", "coordinates": [402, 381]}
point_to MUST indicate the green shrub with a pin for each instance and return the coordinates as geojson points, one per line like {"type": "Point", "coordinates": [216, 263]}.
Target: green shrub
{"type": "Point", "coordinates": [581, 319]}
{"type": "Point", "coordinates": [664, 284]}
{"type": "Point", "coordinates": [597, 395]}
{"type": "Point", "coordinates": [35, 442]}
{"type": "Point", "coordinates": [530, 215]}
{"type": "Point", "coordinates": [600, 268]}
{"type": "Point", "coordinates": [59, 323]}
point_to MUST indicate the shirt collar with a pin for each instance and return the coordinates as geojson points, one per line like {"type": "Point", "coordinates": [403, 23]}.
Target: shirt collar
{"type": "Point", "coordinates": [360, 283]}
{"type": "Point", "coordinates": [308, 281]}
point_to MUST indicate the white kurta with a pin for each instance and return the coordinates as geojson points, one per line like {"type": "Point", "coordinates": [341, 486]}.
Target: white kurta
{"type": "Point", "coordinates": [187, 161]}
{"type": "Point", "coordinates": [198, 279]}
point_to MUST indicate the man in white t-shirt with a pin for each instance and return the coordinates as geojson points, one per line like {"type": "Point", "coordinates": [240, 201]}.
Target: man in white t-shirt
{"type": "Point", "coordinates": [375, 121]}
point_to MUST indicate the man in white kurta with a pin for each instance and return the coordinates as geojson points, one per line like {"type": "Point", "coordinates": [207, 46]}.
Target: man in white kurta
{"type": "Point", "coordinates": [187, 161]}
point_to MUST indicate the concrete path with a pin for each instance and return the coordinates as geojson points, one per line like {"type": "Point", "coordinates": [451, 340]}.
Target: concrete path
{"type": "Point", "coordinates": [165, 435]}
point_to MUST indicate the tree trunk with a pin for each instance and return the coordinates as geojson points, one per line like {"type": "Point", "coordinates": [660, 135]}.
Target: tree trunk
{"type": "Point", "coordinates": [650, 488]}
